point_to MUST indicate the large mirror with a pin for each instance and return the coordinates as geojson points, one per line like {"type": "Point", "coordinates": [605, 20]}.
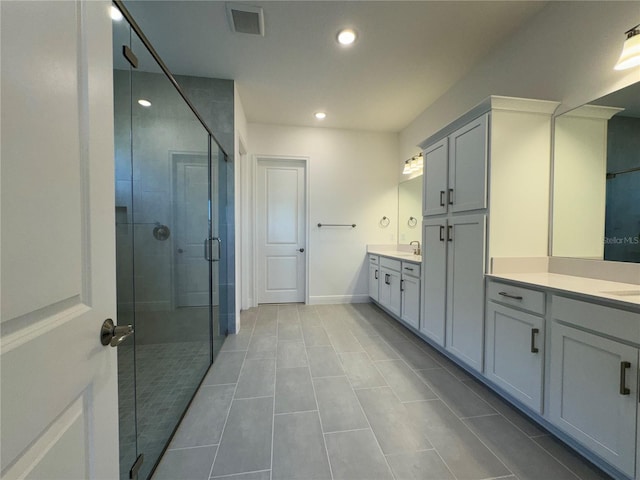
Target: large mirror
{"type": "Point", "coordinates": [410, 210]}
{"type": "Point", "coordinates": [596, 191]}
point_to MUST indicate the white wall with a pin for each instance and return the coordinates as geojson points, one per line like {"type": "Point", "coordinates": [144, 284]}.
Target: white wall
{"type": "Point", "coordinates": [240, 170]}
{"type": "Point", "coordinates": [352, 179]}
{"type": "Point", "coordinates": [565, 53]}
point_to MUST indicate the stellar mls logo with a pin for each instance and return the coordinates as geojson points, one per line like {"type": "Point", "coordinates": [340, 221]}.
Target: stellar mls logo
{"type": "Point", "coordinates": [622, 240]}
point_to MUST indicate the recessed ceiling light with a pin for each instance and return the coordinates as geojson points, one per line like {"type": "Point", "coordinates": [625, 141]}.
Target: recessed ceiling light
{"type": "Point", "coordinates": [144, 103]}
{"type": "Point", "coordinates": [116, 14]}
{"type": "Point", "coordinates": [346, 36]}
{"type": "Point", "coordinates": [320, 115]}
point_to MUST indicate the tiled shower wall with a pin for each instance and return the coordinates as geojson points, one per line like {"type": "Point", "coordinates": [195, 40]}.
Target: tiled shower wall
{"type": "Point", "coordinates": [153, 139]}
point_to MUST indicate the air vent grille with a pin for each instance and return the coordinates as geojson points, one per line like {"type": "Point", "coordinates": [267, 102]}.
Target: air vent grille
{"type": "Point", "coordinates": [245, 19]}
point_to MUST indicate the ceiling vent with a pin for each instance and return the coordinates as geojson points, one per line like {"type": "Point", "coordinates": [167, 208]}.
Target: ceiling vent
{"type": "Point", "coordinates": [245, 18]}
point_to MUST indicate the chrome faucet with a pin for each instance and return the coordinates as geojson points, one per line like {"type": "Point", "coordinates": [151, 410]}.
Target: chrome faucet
{"type": "Point", "coordinates": [416, 251]}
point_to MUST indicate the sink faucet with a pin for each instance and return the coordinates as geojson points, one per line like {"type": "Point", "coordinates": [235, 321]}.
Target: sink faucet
{"type": "Point", "coordinates": [416, 251]}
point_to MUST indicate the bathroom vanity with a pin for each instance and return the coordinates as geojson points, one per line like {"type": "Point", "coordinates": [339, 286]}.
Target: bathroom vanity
{"type": "Point", "coordinates": [558, 337]}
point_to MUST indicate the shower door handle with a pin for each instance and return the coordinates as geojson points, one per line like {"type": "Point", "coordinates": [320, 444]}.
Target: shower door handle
{"type": "Point", "coordinates": [114, 335]}
{"type": "Point", "coordinates": [217, 239]}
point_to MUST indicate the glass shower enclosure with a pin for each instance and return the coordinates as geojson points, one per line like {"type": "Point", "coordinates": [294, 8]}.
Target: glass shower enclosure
{"type": "Point", "coordinates": [167, 166]}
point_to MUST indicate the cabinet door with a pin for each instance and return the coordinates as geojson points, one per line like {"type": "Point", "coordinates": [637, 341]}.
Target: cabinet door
{"type": "Point", "coordinates": [390, 290]}
{"type": "Point", "coordinates": [434, 279]}
{"type": "Point", "coordinates": [465, 288]}
{"type": "Point", "coordinates": [434, 193]}
{"type": "Point", "coordinates": [374, 275]}
{"type": "Point", "coordinates": [410, 291]}
{"type": "Point", "coordinates": [468, 167]}
{"type": "Point", "coordinates": [586, 396]}
{"type": "Point", "coordinates": [515, 352]}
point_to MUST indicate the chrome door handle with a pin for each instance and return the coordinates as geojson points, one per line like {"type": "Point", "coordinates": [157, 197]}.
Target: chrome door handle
{"type": "Point", "coordinates": [114, 335]}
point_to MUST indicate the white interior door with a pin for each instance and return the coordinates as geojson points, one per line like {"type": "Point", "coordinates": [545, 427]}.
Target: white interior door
{"type": "Point", "coordinates": [191, 195]}
{"type": "Point", "coordinates": [59, 392]}
{"type": "Point", "coordinates": [281, 219]}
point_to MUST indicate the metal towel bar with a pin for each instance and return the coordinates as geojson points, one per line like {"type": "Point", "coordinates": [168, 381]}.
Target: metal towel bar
{"type": "Point", "coordinates": [352, 225]}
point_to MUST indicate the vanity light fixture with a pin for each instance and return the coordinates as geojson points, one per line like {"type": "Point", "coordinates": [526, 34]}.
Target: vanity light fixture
{"type": "Point", "coordinates": [346, 37]}
{"type": "Point", "coordinates": [144, 103]}
{"type": "Point", "coordinates": [116, 15]}
{"type": "Point", "coordinates": [630, 56]}
{"type": "Point", "coordinates": [320, 115]}
{"type": "Point", "coordinates": [413, 165]}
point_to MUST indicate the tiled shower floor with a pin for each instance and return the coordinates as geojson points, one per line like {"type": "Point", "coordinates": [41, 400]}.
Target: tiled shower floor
{"type": "Point", "coordinates": [345, 392]}
{"type": "Point", "coordinates": [167, 375]}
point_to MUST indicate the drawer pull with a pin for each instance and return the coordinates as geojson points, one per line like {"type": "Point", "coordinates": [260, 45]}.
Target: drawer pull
{"type": "Point", "coordinates": [534, 332]}
{"type": "Point", "coordinates": [387, 279]}
{"type": "Point", "coordinates": [442, 233]}
{"type": "Point", "coordinates": [402, 285]}
{"type": "Point", "coordinates": [450, 196]}
{"type": "Point", "coordinates": [442, 192]}
{"type": "Point", "coordinates": [508, 295]}
{"type": "Point", "coordinates": [410, 269]}
{"type": "Point", "coordinates": [376, 274]}
{"type": "Point", "coordinates": [450, 233]}
{"type": "Point", "coordinates": [623, 378]}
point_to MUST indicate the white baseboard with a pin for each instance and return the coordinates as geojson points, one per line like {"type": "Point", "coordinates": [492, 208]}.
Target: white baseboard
{"type": "Point", "coordinates": [335, 299]}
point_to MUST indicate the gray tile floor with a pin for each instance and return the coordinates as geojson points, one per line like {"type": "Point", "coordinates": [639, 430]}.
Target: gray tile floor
{"type": "Point", "coordinates": [345, 392]}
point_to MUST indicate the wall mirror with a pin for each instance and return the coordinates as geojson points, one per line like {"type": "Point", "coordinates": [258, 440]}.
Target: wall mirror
{"type": "Point", "coordinates": [596, 189]}
{"type": "Point", "coordinates": [410, 210]}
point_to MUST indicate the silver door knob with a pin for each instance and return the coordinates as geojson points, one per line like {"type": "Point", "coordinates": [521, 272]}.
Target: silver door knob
{"type": "Point", "coordinates": [114, 335]}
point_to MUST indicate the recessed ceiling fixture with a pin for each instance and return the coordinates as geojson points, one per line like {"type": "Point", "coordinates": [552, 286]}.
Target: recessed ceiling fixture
{"type": "Point", "coordinates": [144, 103]}
{"type": "Point", "coordinates": [630, 56]}
{"type": "Point", "coordinates": [116, 14]}
{"type": "Point", "coordinates": [320, 115]}
{"type": "Point", "coordinates": [346, 36]}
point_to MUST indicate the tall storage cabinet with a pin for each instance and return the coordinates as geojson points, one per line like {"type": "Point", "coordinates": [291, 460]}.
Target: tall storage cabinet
{"type": "Point", "coordinates": [486, 194]}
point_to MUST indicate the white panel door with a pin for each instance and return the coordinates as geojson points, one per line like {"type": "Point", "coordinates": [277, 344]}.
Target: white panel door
{"type": "Point", "coordinates": [586, 400]}
{"type": "Point", "coordinates": [410, 288]}
{"type": "Point", "coordinates": [191, 197]}
{"type": "Point", "coordinates": [515, 352]}
{"type": "Point", "coordinates": [434, 196]}
{"type": "Point", "coordinates": [59, 398]}
{"type": "Point", "coordinates": [468, 154]}
{"type": "Point", "coordinates": [281, 231]}
{"type": "Point", "coordinates": [434, 279]}
{"type": "Point", "coordinates": [465, 289]}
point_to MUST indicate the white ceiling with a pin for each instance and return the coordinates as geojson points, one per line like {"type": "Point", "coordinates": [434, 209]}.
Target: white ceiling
{"type": "Point", "coordinates": [406, 56]}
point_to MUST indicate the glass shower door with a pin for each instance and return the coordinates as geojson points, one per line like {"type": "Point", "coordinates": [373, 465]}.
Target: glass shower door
{"type": "Point", "coordinates": [168, 250]}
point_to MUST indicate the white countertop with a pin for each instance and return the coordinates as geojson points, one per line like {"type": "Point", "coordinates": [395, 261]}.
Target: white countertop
{"type": "Point", "coordinates": [397, 254]}
{"type": "Point", "coordinates": [624, 294]}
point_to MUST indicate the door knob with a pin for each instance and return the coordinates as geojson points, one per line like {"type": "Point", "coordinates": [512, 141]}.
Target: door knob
{"type": "Point", "coordinates": [301, 250]}
{"type": "Point", "coordinates": [114, 335]}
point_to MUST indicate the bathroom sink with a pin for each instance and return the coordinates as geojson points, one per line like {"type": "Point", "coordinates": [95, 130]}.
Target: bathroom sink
{"type": "Point", "coordinates": [624, 293]}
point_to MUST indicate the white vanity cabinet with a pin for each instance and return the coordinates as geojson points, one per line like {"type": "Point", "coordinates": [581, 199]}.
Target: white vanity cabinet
{"type": "Point", "coordinates": [515, 341]}
{"type": "Point", "coordinates": [593, 384]}
{"type": "Point", "coordinates": [457, 166]}
{"type": "Point", "coordinates": [474, 209]}
{"type": "Point", "coordinates": [390, 277]}
{"type": "Point", "coordinates": [410, 293]}
{"type": "Point", "coordinates": [453, 285]}
{"type": "Point", "coordinates": [374, 275]}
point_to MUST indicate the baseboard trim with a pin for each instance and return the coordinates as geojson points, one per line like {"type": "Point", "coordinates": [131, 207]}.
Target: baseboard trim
{"type": "Point", "coordinates": [336, 299]}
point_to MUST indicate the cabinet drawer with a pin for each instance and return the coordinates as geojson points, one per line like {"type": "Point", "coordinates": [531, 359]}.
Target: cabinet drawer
{"type": "Point", "coordinates": [607, 320]}
{"type": "Point", "coordinates": [390, 263]}
{"type": "Point", "coordinates": [527, 299]}
{"type": "Point", "coordinates": [412, 269]}
{"type": "Point", "coordinates": [374, 259]}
